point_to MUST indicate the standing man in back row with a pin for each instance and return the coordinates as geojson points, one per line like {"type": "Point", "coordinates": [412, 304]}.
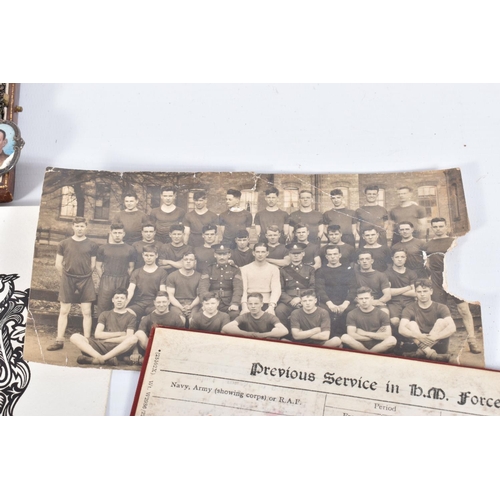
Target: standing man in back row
{"type": "Point", "coordinates": [197, 219]}
{"type": "Point", "coordinates": [132, 218]}
{"type": "Point", "coordinates": [272, 215]}
{"type": "Point", "coordinates": [371, 214]}
{"type": "Point", "coordinates": [307, 216]}
{"type": "Point", "coordinates": [167, 214]}
{"type": "Point", "coordinates": [342, 216]}
{"type": "Point", "coordinates": [408, 210]}
{"type": "Point", "coordinates": [234, 219]}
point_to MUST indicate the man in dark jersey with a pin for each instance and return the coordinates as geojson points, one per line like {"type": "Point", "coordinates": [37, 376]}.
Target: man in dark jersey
{"type": "Point", "coordinates": [148, 238]}
{"type": "Point", "coordinates": [114, 265]}
{"type": "Point", "coordinates": [413, 247]}
{"type": "Point", "coordinates": [166, 214]}
{"type": "Point", "coordinates": [371, 214]}
{"type": "Point", "coordinates": [278, 253]}
{"type": "Point", "coordinates": [342, 216]}
{"type": "Point", "coordinates": [381, 253]}
{"type": "Point", "coordinates": [113, 336]}
{"type": "Point", "coordinates": [182, 287]}
{"type": "Point", "coordinates": [368, 327]}
{"type": "Point", "coordinates": [428, 324]}
{"type": "Point", "coordinates": [436, 249]}
{"type": "Point", "coordinates": [241, 253]}
{"type": "Point", "coordinates": [272, 215]}
{"type": "Point", "coordinates": [131, 217]}
{"type": "Point", "coordinates": [198, 218]}
{"type": "Point", "coordinates": [310, 324]}
{"type": "Point", "coordinates": [234, 219]}
{"type": "Point", "coordinates": [408, 210]}
{"type": "Point", "coordinates": [170, 254]}
{"type": "Point", "coordinates": [160, 316]}
{"type": "Point", "coordinates": [294, 278]}
{"type": "Point", "coordinates": [209, 319]}
{"type": "Point", "coordinates": [145, 283]}
{"type": "Point", "coordinates": [307, 216]}
{"type": "Point", "coordinates": [204, 254]}
{"type": "Point", "coordinates": [402, 282]}
{"type": "Point", "coordinates": [75, 263]}
{"type": "Point", "coordinates": [256, 323]}
{"type": "Point", "coordinates": [336, 288]}
{"type": "Point", "coordinates": [376, 281]}
{"type": "Point", "coordinates": [224, 279]}
{"type": "Point", "coordinates": [347, 252]}
{"type": "Point", "coordinates": [311, 249]}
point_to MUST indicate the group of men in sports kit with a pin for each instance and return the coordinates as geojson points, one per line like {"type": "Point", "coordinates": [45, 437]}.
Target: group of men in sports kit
{"type": "Point", "coordinates": [327, 279]}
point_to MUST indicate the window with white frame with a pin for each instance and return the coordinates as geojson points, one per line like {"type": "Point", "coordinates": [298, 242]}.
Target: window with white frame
{"type": "Point", "coordinates": [68, 202]}
{"type": "Point", "coordinates": [250, 200]}
{"type": "Point", "coordinates": [290, 200]}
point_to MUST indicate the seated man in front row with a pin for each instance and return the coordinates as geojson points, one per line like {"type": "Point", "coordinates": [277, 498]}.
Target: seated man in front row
{"type": "Point", "coordinates": [256, 323]}
{"type": "Point", "coordinates": [209, 319]}
{"type": "Point", "coordinates": [114, 334]}
{"type": "Point", "coordinates": [429, 324]}
{"type": "Point", "coordinates": [368, 327]}
{"type": "Point", "coordinates": [311, 324]}
{"type": "Point", "coordinates": [160, 316]}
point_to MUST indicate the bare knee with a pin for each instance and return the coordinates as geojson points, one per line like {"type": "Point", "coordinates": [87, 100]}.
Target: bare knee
{"type": "Point", "coordinates": [86, 309]}
{"type": "Point", "coordinates": [76, 338]}
{"type": "Point", "coordinates": [142, 339]}
{"type": "Point", "coordinates": [65, 309]}
{"type": "Point", "coordinates": [395, 321]}
{"type": "Point", "coordinates": [131, 340]}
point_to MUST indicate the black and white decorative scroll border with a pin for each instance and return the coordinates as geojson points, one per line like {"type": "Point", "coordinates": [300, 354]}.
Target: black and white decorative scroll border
{"type": "Point", "coordinates": [14, 371]}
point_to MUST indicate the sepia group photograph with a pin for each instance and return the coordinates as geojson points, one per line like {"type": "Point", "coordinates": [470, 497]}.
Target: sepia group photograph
{"type": "Point", "coordinates": [343, 261]}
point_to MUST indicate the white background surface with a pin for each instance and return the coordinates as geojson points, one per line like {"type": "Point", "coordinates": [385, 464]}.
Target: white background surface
{"type": "Point", "coordinates": [281, 128]}
{"type": "Point", "coordinates": [438, 41]}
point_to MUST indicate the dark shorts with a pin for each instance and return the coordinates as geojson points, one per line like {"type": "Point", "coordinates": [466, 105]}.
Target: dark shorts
{"type": "Point", "coordinates": [442, 296]}
{"type": "Point", "coordinates": [395, 309]}
{"type": "Point", "coordinates": [141, 309]}
{"type": "Point", "coordinates": [407, 345]}
{"type": "Point", "coordinates": [102, 347]}
{"type": "Point", "coordinates": [76, 290]}
{"type": "Point", "coordinates": [107, 288]}
{"type": "Point", "coordinates": [369, 344]}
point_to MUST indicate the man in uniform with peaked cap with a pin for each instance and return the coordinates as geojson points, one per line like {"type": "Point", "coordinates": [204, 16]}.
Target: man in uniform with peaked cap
{"type": "Point", "coordinates": [225, 279]}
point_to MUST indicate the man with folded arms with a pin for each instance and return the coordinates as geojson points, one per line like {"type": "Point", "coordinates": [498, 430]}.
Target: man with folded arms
{"type": "Point", "coordinates": [161, 316]}
{"type": "Point", "coordinates": [113, 336]}
{"type": "Point", "coordinates": [256, 323]}
{"type": "Point", "coordinates": [368, 327]}
{"type": "Point", "coordinates": [429, 324]}
{"type": "Point", "coordinates": [310, 324]}
{"type": "Point", "coordinates": [145, 282]}
{"type": "Point", "coordinates": [209, 319]}
{"type": "Point", "coordinates": [182, 287]}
